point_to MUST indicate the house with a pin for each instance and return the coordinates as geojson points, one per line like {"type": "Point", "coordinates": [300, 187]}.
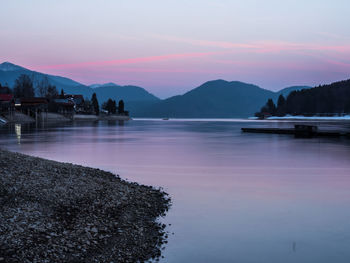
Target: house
{"type": "Point", "coordinates": [31, 106]}
{"type": "Point", "coordinates": [4, 90]}
{"type": "Point", "coordinates": [63, 106]}
{"type": "Point", "coordinates": [6, 97]}
{"type": "Point", "coordinates": [78, 101]}
{"type": "Point", "coordinates": [263, 115]}
{"type": "Point", "coordinates": [6, 102]}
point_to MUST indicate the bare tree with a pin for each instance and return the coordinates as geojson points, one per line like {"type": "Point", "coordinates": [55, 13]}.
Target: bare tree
{"type": "Point", "coordinates": [42, 86]}
{"type": "Point", "coordinates": [23, 87]}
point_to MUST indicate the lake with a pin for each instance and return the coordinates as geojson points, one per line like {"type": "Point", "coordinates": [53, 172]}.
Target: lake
{"type": "Point", "coordinates": [236, 197]}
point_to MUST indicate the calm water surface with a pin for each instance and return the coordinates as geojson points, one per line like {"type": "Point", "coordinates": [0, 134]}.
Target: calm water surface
{"type": "Point", "coordinates": [236, 197]}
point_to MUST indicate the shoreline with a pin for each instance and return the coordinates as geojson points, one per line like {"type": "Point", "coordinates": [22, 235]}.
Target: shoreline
{"type": "Point", "coordinates": [311, 118]}
{"type": "Point", "coordinates": [50, 117]}
{"type": "Point", "coordinates": [60, 212]}
{"type": "Point", "coordinates": [93, 118]}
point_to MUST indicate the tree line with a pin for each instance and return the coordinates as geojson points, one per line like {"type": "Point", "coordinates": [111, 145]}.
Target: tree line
{"type": "Point", "coordinates": [24, 88]}
{"type": "Point", "coordinates": [111, 106]}
{"type": "Point", "coordinates": [324, 99]}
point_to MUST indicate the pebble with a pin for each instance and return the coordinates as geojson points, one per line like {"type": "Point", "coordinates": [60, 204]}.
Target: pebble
{"type": "Point", "coordinates": [57, 212]}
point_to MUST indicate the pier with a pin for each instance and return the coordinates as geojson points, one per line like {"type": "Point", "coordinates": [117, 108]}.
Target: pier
{"type": "Point", "coordinates": [300, 131]}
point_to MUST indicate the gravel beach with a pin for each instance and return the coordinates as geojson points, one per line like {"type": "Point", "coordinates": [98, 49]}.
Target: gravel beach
{"type": "Point", "coordinates": [60, 212]}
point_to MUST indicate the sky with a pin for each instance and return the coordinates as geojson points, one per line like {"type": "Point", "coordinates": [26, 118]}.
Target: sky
{"type": "Point", "coordinates": [170, 47]}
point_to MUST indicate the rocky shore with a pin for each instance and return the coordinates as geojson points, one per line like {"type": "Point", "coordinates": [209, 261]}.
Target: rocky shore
{"type": "Point", "coordinates": [59, 118]}
{"type": "Point", "coordinates": [60, 212]}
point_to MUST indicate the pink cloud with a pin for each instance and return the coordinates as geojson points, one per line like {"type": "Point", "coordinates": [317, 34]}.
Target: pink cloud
{"type": "Point", "coordinates": [342, 65]}
{"type": "Point", "coordinates": [163, 70]}
{"type": "Point", "coordinates": [206, 43]}
{"type": "Point", "coordinates": [259, 46]}
{"type": "Point", "coordinates": [149, 59]}
{"type": "Point", "coordinates": [269, 47]}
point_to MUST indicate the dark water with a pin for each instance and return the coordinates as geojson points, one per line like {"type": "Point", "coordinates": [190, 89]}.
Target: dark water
{"type": "Point", "coordinates": [236, 197]}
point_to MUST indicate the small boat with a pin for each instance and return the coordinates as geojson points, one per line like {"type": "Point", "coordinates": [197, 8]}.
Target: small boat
{"type": "Point", "coordinates": [165, 119]}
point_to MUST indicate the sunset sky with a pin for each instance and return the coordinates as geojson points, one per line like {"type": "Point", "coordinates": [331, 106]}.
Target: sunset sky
{"type": "Point", "coordinates": [169, 47]}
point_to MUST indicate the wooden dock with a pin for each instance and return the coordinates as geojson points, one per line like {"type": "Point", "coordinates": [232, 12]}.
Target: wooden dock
{"type": "Point", "coordinates": [302, 131]}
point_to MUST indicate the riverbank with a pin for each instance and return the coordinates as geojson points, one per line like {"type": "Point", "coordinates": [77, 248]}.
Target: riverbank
{"type": "Point", "coordinates": [60, 212]}
{"type": "Point", "coordinates": [50, 117]}
{"type": "Point", "coordinates": [82, 117]}
{"type": "Point", "coordinates": [311, 118]}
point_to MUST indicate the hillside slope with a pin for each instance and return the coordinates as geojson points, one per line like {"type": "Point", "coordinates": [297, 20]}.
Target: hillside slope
{"type": "Point", "coordinates": [10, 72]}
{"type": "Point", "coordinates": [213, 99]}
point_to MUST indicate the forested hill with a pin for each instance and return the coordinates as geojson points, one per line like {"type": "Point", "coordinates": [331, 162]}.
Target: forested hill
{"type": "Point", "coordinates": [333, 98]}
{"type": "Point", "coordinates": [10, 72]}
{"type": "Point", "coordinates": [213, 99]}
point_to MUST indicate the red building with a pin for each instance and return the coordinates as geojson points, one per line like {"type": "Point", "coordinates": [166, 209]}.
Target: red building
{"type": "Point", "coordinates": [32, 106]}
{"type": "Point", "coordinates": [6, 103]}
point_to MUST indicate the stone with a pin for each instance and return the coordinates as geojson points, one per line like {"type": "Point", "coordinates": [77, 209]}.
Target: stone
{"type": "Point", "coordinates": [63, 212]}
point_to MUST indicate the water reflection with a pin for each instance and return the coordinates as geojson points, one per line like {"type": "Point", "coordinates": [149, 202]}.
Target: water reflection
{"type": "Point", "coordinates": [18, 128]}
{"type": "Point", "coordinates": [236, 197]}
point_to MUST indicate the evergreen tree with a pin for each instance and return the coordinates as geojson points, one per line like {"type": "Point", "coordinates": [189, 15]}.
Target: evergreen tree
{"type": "Point", "coordinates": [281, 106]}
{"type": "Point", "coordinates": [110, 106]}
{"type": "Point", "coordinates": [347, 106]}
{"type": "Point", "coordinates": [327, 99]}
{"type": "Point", "coordinates": [104, 106]}
{"type": "Point", "coordinates": [62, 94]}
{"type": "Point", "coordinates": [121, 107]}
{"type": "Point", "coordinates": [114, 107]}
{"type": "Point", "coordinates": [88, 108]}
{"type": "Point", "coordinates": [271, 107]}
{"type": "Point", "coordinates": [95, 105]}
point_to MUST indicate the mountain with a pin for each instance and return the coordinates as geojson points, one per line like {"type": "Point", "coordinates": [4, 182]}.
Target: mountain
{"type": "Point", "coordinates": [326, 99]}
{"type": "Point", "coordinates": [286, 91]}
{"type": "Point", "coordinates": [103, 85]}
{"type": "Point", "coordinates": [213, 99]}
{"type": "Point", "coordinates": [7, 66]}
{"type": "Point", "coordinates": [127, 93]}
{"type": "Point", "coordinates": [10, 72]}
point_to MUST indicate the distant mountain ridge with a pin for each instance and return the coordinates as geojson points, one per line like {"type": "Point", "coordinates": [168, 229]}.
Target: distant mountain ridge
{"type": "Point", "coordinates": [7, 66]}
{"type": "Point", "coordinates": [213, 99]}
{"type": "Point", "coordinates": [10, 72]}
{"type": "Point", "coordinates": [110, 84]}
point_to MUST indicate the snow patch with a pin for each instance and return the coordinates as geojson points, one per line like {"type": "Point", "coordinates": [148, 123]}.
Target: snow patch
{"type": "Point", "coordinates": [110, 84]}
{"type": "Point", "coordinates": [7, 66]}
{"type": "Point", "coordinates": [300, 117]}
